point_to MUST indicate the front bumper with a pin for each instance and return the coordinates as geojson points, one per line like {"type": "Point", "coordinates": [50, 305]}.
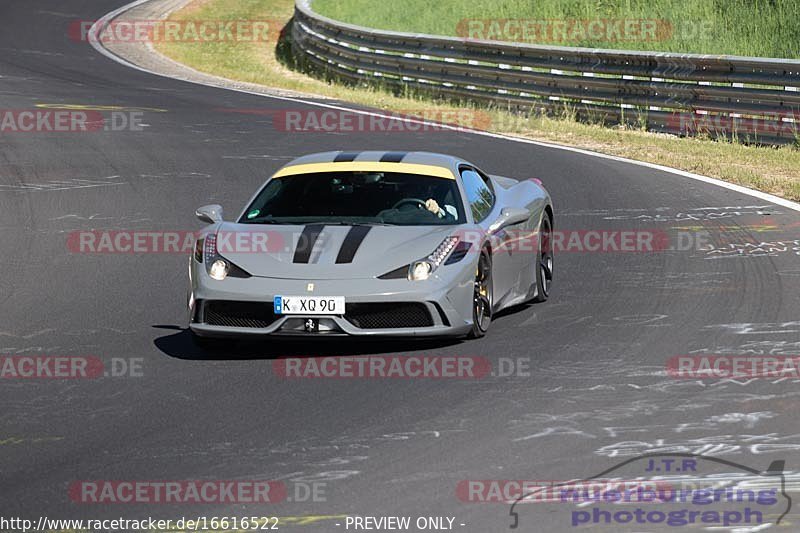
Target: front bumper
{"type": "Point", "coordinates": [242, 307]}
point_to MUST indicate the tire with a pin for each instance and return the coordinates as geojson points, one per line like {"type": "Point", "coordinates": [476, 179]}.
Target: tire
{"type": "Point", "coordinates": [483, 297]}
{"type": "Point", "coordinates": [544, 260]}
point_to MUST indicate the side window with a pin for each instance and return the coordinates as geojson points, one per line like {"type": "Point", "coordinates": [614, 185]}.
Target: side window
{"type": "Point", "coordinates": [479, 196]}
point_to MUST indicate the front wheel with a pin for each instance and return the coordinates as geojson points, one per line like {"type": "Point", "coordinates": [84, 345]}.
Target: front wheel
{"type": "Point", "coordinates": [482, 298]}
{"type": "Point", "coordinates": [544, 260]}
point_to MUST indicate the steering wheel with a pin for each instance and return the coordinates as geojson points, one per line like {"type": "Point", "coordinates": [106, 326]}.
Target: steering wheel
{"type": "Point", "coordinates": [415, 201]}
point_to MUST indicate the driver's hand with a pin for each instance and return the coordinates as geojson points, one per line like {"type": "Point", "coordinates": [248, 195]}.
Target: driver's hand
{"type": "Point", "coordinates": [433, 206]}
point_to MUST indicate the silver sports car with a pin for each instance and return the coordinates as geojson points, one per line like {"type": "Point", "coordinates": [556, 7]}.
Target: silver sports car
{"type": "Point", "coordinates": [372, 244]}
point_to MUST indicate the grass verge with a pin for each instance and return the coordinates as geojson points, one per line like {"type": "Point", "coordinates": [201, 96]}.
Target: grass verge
{"type": "Point", "coordinates": [739, 27]}
{"type": "Point", "coordinates": [773, 170]}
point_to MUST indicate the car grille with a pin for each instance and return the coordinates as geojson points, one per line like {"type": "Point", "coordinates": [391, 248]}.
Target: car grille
{"type": "Point", "coordinates": [388, 315]}
{"type": "Point", "coordinates": [239, 314]}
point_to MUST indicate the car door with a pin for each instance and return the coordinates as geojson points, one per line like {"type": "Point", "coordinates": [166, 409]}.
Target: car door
{"type": "Point", "coordinates": [519, 241]}
{"type": "Point", "coordinates": [482, 203]}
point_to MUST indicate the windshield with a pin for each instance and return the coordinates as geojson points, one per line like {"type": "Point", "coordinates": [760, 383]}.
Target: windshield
{"type": "Point", "coordinates": [357, 198]}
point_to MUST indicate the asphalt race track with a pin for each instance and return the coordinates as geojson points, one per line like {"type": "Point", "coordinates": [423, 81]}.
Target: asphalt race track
{"type": "Point", "coordinates": [596, 392]}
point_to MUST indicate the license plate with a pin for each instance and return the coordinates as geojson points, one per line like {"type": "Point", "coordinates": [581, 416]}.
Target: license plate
{"type": "Point", "coordinates": [309, 305]}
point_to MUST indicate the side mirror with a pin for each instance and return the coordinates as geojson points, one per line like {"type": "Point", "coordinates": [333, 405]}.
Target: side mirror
{"type": "Point", "coordinates": [209, 213]}
{"type": "Point", "coordinates": [508, 217]}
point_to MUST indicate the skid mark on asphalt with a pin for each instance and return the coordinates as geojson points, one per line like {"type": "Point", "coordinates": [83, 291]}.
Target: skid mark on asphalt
{"type": "Point", "coordinates": [738, 480]}
{"type": "Point", "coordinates": [669, 214]}
{"type": "Point", "coordinates": [28, 349]}
{"type": "Point", "coordinates": [27, 335]}
{"type": "Point", "coordinates": [305, 460]}
{"type": "Point", "coordinates": [752, 348]}
{"type": "Point", "coordinates": [32, 52]}
{"type": "Point", "coordinates": [708, 445]}
{"type": "Point", "coordinates": [58, 14]}
{"type": "Point", "coordinates": [74, 221]}
{"type": "Point", "coordinates": [753, 249]}
{"type": "Point", "coordinates": [93, 107]}
{"type": "Point", "coordinates": [13, 441]}
{"type": "Point", "coordinates": [557, 431]}
{"type": "Point", "coordinates": [95, 216]}
{"type": "Point", "coordinates": [83, 342]}
{"type": "Point", "coordinates": [760, 347]}
{"type": "Point", "coordinates": [566, 320]}
{"type": "Point", "coordinates": [636, 320]}
{"type": "Point", "coordinates": [260, 156]}
{"type": "Point", "coordinates": [170, 175]}
{"type": "Point", "coordinates": [62, 185]}
{"type": "Point", "coordinates": [536, 425]}
{"type": "Point", "coordinates": [107, 181]}
{"type": "Point", "coordinates": [723, 414]}
{"type": "Point", "coordinates": [94, 331]}
{"type": "Point", "coordinates": [749, 420]}
{"type": "Point", "coordinates": [726, 432]}
{"type": "Point", "coordinates": [758, 328]}
{"type": "Point", "coordinates": [680, 281]}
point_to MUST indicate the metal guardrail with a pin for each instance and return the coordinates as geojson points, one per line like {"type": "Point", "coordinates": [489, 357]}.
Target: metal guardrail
{"type": "Point", "coordinates": [750, 99]}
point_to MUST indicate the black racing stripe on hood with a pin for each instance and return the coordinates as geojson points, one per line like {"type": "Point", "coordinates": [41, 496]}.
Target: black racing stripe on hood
{"type": "Point", "coordinates": [346, 157]}
{"type": "Point", "coordinates": [305, 244]}
{"type": "Point", "coordinates": [393, 157]}
{"type": "Point", "coordinates": [351, 243]}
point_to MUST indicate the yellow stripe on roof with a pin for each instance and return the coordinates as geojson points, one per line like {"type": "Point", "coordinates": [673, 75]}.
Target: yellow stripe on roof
{"type": "Point", "coordinates": [366, 166]}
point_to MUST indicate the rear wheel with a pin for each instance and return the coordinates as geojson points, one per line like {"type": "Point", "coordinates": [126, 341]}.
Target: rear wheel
{"type": "Point", "coordinates": [544, 260]}
{"type": "Point", "coordinates": [482, 298]}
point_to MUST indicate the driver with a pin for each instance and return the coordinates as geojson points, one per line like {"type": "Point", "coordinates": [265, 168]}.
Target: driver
{"type": "Point", "coordinates": [445, 210]}
{"type": "Point", "coordinates": [433, 206]}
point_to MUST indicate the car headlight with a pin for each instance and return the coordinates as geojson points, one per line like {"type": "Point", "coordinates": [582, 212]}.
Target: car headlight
{"type": "Point", "coordinates": [442, 251]}
{"type": "Point", "coordinates": [219, 269]}
{"type": "Point", "coordinates": [216, 266]}
{"type": "Point", "coordinates": [422, 269]}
